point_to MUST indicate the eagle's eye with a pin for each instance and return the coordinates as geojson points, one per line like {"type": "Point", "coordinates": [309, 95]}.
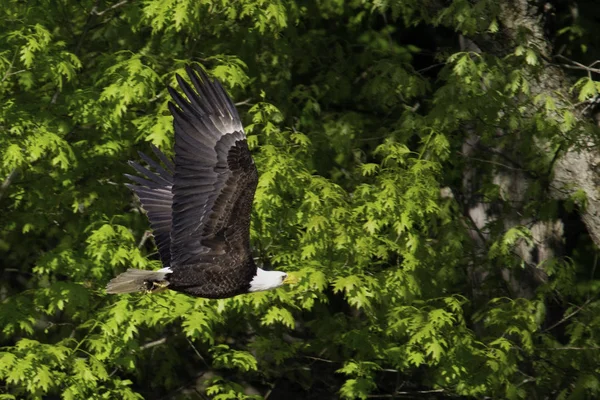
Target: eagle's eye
{"type": "Point", "coordinates": [283, 277]}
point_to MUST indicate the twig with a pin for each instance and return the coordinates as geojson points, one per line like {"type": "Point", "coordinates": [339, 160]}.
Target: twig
{"type": "Point", "coordinates": [430, 67]}
{"type": "Point", "coordinates": [55, 96]}
{"type": "Point", "coordinates": [570, 348]}
{"type": "Point", "coordinates": [145, 237]}
{"type": "Point", "coordinates": [526, 380]}
{"type": "Point", "coordinates": [100, 13]}
{"type": "Point", "coordinates": [243, 102]}
{"type": "Point", "coordinates": [17, 271]}
{"type": "Point", "coordinates": [157, 342]}
{"type": "Point", "coordinates": [490, 162]}
{"type": "Point", "coordinates": [385, 396]}
{"type": "Point", "coordinates": [7, 73]}
{"type": "Point", "coordinates": [320, 359]}
{"type": "Point", "coordinates": [423, 391]}
{"type": "Point", "coordinates": [564, 319]}
{"type": "Point", "coordinates": [7, 182]}
{"type": "Point", "coordinates": [155, 98]}
{"type": "Point", "coordinates": [478, 145]}
{"type": "Point", "coordinates": [266, 396]}
{"type": "Point", "coordinates": [197, 352]}
{"type": "Point", "coordinates": [339, 362]}
{"type": "Point", "coordinates": [580, 66]}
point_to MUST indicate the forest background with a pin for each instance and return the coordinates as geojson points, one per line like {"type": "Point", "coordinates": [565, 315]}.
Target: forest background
{"type": "Point", "coordinates": [428, 169]}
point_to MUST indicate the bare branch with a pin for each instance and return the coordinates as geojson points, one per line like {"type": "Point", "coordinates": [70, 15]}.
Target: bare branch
{"type": "Point", "coordinates": [399, 393]}
{"type": "Point", "coordinates": [575, 65]}
{"type": "Point", "coordinates": [320, 359]}
{"type": "Point", "coordinates": [244, 102]}
{"type": "Point", "coordinates": [432, 66]}
{"type": "Point", "coordinates": [490, 162]}
{"type": "Point", "coordinates": [570, 348]}
{"type": "Point", "coordinates": [197, 352]}
{"type": "Point", "coordinates": [571, 315]}
{"type": "Point", "coordinates": [157, 342]}
{"type": "Point", "coordinates": [145, 236]}
{"type": "Point", "coordinates": [114, 6]}
{"type": "Point", "coordinates": [8, 181]}
{"type": "Point", "coordinates": [8, 73]}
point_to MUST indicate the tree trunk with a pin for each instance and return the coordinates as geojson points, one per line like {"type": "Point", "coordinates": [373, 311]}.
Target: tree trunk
{"type": "Point", "coordinates": [573, 169]}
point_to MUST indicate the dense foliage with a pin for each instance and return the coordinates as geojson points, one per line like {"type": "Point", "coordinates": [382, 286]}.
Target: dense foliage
{"type": "Point", "coordinates": [358, 114]}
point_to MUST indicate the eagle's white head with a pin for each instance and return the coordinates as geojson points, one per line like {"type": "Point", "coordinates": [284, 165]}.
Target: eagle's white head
{"type": "Point", "coordinates": [265, 280]}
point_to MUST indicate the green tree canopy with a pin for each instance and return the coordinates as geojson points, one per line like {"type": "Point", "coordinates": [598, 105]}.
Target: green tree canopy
{"type": "Point", "coordinates": [428, 170]}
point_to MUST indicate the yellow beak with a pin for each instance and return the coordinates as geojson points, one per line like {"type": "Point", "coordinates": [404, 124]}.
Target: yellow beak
{"type": "Point", "coordinates": [290, 280]}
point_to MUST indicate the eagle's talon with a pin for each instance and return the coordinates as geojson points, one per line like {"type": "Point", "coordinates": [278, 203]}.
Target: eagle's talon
{"type": "Point", "coordinates": [155, 287]}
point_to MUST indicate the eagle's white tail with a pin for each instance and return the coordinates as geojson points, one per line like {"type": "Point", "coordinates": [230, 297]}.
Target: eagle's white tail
{"type": "Point", "coordinates": [138, 280]}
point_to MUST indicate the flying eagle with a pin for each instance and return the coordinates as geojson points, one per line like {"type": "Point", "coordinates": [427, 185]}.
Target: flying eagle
{"type": "Point", "coordinates": [199, 205]}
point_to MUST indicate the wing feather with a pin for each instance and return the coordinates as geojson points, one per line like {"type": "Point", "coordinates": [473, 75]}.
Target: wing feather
{"type": "Point", "coordinates": [154, 190]}
{"type": "Point", "coordinates": [215, 177]}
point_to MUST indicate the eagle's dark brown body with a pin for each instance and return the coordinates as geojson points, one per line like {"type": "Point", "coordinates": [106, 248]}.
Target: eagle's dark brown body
{"type": "Point", "coordinates": [211, 280]}
{"type": "Point", "coordinates": [199, 205]}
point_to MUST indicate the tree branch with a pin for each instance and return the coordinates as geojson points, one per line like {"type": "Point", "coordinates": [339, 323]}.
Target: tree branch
{"type": "Point", "coordinates": [575, 65]}
{"type": "Point", "coordinates": [571, 315]}
{"type": "Point", "coordinates": [243, 102]}
{"type": "Point", "coordinates": [9, 179]}
{"type": "Point", "coordinates": [145, 236]}
{"type": "Point", "coordinates": [8, 73]}
{"type": "Point", "coordinates": [113, 7]}
{"type": "Point", "coordinates": [154, 343]}
{"type": "Point", "coordinates": [405, 393]}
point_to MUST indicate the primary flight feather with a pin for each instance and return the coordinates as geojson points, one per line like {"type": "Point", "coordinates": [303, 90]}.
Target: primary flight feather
{"type": "Point", "coordinates": [199, 205]}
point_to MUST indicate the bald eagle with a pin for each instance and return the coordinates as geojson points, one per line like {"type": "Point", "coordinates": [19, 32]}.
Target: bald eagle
{"type": "Point", "coordinates": [199, 205]}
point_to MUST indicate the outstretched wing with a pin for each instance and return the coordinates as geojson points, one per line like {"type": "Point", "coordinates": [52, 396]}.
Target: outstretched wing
{"type": "Point", "coordinates": [215, 176]}
{"type": "Point", "coordinates": [154, 191]}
